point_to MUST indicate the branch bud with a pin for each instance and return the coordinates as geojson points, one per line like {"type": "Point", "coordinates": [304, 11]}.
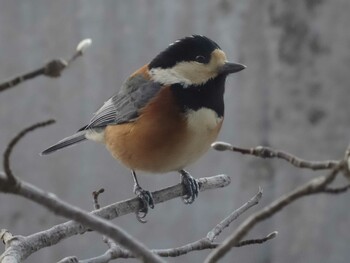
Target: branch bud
{"type": "Point", "coordinates": [83, 45]}
{"type": "Point", "coordinates": [221, 146]}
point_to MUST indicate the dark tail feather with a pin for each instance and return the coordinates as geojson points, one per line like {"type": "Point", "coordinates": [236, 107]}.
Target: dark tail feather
{"type": "Point", "coordinates": [75, 138]}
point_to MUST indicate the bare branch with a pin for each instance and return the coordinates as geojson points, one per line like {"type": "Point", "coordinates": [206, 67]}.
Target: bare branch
{"type": "Point", "coordinates": [95, 196]}
{"type": "Point", "coordinates": [111, 244]}
{"type": "Point", "coordinates": [317, 185]}
{"type": "Point", "coordinates": [212, 234]}
{"type": "Point", "coordinates": [337, 190]}
{"type": "Point", "coordinates": [57, 206]}
{"type": "Point", "coordinates": [9, 240]}
{"type": "Point", "coordinates": [267, 153]}
{"type": "Point", "coordinates": [257, 241]}
{"type": "Point", "coordinates": [115, 251]}
{"type": "Point", "coordinates": [113, 247]}
{"type": "Point", "coordinates": [52, 69]}
{"type": "Point", "coordinates": [12, 181]}
{"type": "Point", "coordinates": [65, 230]}
{"type": "Point", "coordinates": [50, 201]}
{"type": "Point", "coordinates": [22, 247]}
{"type": "Point", "coordinates": [198, 245]}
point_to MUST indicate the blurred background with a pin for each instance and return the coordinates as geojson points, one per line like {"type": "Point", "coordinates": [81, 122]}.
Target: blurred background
{"type": "Point", "coordinates": [294, 96]}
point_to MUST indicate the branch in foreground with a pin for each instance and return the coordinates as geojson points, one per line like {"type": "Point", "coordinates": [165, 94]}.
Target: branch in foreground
{"type": "Point", "coordinates": [83, 219]}
{"type": "Point", "coordinates": [65, 230]}
{"type": "Point", "coordinates": [317, 185]}
{"type": "Point", "coordinates": [115, 251]}
{"type": "Point", "coordinates": [268, 153]}
{"type": "Point", "coordinates": [52, 69]}
{"type": "Point", "coordinates": [18, 251]}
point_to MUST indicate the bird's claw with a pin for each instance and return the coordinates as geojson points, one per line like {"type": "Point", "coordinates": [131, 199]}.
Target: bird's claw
{"type": "Point", "coordinates": [147, 201]}
{"type": "Point", "coordinates": [191, 186]}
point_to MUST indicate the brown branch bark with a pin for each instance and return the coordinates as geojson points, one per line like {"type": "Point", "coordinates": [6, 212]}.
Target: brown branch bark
{"type": "Point", "coordinates": [52, 69]}
{"type": "Point", "coordinates": [268, 153]}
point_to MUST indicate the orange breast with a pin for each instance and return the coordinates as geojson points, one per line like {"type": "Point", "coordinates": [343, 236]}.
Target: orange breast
{"type": "Point", "coordinates": [159, 140]}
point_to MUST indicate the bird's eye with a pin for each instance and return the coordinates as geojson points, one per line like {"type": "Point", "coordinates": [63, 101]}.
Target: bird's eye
{"type": "Point", "coordinates": [200, 59]}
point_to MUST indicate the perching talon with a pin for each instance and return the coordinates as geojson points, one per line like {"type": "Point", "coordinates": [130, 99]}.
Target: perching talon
{"type": "Point", "coordinates": [146, 199]}
{"type": "Point", "coordinates": [191, 185]}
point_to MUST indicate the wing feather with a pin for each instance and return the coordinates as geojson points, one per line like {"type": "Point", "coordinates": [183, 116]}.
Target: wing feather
{"type": "Point", "coordinates": [124, 106]}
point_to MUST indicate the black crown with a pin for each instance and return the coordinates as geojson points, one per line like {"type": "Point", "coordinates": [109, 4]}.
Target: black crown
{"type": "Point", "coordinates": [185, 49]}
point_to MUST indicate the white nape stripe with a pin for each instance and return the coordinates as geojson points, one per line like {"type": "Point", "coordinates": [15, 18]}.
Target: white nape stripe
{"type": "Point", "coordinates": [169, 76]}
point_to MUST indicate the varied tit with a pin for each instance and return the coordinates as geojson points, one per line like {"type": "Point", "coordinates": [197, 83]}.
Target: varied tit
{"type": "Point", "coordinates": [166, 114]}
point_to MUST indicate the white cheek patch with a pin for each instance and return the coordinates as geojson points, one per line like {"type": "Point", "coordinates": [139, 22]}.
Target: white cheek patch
{"type": "Point", "coordinates": [190, 72]}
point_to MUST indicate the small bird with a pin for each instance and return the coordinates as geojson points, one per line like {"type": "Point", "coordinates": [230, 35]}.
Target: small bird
{"type": "Point", "coordinates": [166, 114]}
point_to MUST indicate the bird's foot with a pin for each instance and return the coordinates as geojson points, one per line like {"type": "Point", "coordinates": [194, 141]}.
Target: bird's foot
{"type": "Point", "coordinates": [191, 186]}
{"type": "Point", "coordinates": [147, 201]}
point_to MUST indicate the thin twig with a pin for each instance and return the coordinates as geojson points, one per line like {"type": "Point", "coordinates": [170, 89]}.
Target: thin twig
{"type": "Point", "coordinates": [268, 153]}
{"type": "Point", "coordinates": [198, 245]}
{"type": "Point", "coordinates": [212, 234]}
{"type": "Point", "coordinates": [111, 244]}
{"type": "Point", "coordinates": [317, 185]}
{"type": "Point", "coordinates": [52, 69]}
{"type": "Point", "coordinates": [206, 242]}
{"type": "Point", "coordinates": [336, 190]}
{"type": "Point", "coordinates": [6, 157]}
{"type": "Point", "coordinates": [57, 206]}
{"type": "Point", "coordinates": [95, 196]}
{"type": "Point", "coordinates": [257, 241]}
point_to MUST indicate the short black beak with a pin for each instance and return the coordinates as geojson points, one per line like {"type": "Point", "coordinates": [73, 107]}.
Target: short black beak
{"type": "Point", "coordinates": [229, 68]}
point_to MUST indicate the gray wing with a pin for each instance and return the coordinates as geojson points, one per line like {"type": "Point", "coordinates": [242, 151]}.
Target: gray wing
{"type": "Point", "coordinates": [124, 106]}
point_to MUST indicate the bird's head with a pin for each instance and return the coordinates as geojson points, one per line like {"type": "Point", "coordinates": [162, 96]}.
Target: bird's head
{"type": "Point", "coordinates": [191, 61]}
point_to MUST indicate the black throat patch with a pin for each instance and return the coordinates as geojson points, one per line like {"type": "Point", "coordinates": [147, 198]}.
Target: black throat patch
{"type": "Point", "coordinates": [209, 95]}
